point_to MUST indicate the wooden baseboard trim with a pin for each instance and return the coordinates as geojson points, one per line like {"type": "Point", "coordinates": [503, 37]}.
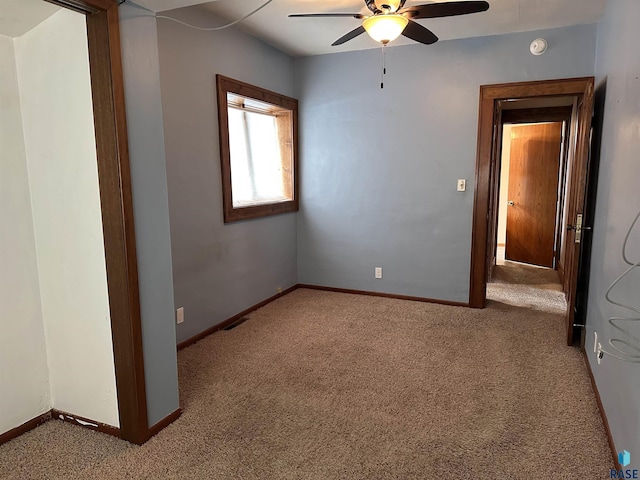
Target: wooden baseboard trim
{"type": "Point", "coordinates": [603, 414]}
{"type": "Point", "coordinates": [232, 320]}
{"type": "Point", "coordinates": [238, 316]}
{"type": "Point", "coordinates": [386, 295]}
{"type": "Point", "coordinates": [164, 423]}
{"type": "Point", "coordinates": [25, 427]}
{"type": "Point", "coordinates": [85, 422]}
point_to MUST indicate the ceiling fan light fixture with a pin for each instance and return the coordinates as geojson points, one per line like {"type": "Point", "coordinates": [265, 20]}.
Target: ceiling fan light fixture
{"type": "Point", "coordinates": [385, 28]}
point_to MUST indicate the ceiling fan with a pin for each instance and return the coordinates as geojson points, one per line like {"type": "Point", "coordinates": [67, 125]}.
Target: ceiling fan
{"type": "Point", "coordinates": [390, 19]}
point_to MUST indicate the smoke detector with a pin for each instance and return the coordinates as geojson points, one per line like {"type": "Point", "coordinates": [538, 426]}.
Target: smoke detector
{"type": "Point", "coordinates": [538, 46]}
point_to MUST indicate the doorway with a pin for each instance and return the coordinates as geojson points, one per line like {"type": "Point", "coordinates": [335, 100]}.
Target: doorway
{"type": "Point", "coordinates": [530, 201]}
{"type": "Point", "coordinates": [110, 162]}
{"type": "Point", "coordinates": [107, 86]}
{"type": "Point", "coordinates": [546, 98]}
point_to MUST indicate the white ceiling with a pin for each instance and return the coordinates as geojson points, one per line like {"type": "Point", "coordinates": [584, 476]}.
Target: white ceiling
{"type": "Point", "coordinates": [17, 17]}
{"type": "Point", "coordinates": [312, 36]}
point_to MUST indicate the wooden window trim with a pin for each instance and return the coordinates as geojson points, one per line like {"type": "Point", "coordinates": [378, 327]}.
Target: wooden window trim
{"type": "Point", "coordinates": [226, 85]}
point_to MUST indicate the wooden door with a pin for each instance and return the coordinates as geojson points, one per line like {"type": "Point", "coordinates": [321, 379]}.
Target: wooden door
{"type": "Point", "coordinates": [534, 169]}
{"type": "Point", "coordinates": [593, 167]}
{"type": "Point", "coordinates": [577, 198]}
{"type": "Point", "coordinates": [492, 239]}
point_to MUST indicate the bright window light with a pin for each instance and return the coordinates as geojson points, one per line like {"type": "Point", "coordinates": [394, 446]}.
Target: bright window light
{"type": "Point", "coordinates": [256, 159]}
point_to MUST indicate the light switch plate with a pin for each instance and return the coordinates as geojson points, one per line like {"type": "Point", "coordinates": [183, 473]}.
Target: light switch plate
{"type": "Point", "coordinates": [462, 184]}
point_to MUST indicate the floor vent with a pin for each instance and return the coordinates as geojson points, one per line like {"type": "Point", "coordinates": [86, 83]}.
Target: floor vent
{"type": "Point", "coordinates": [234, 325]}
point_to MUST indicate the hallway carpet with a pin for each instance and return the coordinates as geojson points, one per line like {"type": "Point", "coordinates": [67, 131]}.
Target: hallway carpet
{"type": "Point", "coordinates": [518, 284]}
{"type": "Point", "coordinates": [321, 385]}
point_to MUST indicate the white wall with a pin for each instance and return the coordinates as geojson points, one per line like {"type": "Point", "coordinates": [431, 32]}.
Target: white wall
{"type": "Point", "coordinates": [504, 195]}
{"type": "Point", "coordinates": [504, 184]}
{"type": "Point", "coordinates": [55, 94]}
{"type": "Point", "coordinates": [24, 376]}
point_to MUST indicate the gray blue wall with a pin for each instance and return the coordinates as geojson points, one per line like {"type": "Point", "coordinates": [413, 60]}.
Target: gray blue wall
{"type": "Point", "coordinates": [151, 210]}
{"type": "Point", "coordinates": [379, 166]}
{"type": "Point", "coordinates": [218, 270]}
{"type": "Point", "coordinates": [617, 62]}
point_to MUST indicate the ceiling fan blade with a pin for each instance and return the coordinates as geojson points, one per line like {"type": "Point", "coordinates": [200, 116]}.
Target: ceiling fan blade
{"type": "Point", "coordinates": [446, 9]}
{"type": "Point", "coordinates": [351, 35]}
{"type": "Point", "coordinates": [421, 34]}
{"type": "Point", "coordinates": [326, 15]}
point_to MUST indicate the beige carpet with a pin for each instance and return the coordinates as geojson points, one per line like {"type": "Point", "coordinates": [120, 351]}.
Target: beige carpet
{"type": "Point", "coordinates": [321, 385]}
{"type": "Point", "coordinates": [524, 285]}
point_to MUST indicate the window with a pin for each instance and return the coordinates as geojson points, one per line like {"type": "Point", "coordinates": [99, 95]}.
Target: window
{"type": "Point", "coordinates": [258, 150]}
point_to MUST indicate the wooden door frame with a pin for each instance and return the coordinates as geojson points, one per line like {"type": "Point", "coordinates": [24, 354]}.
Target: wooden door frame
{"type": "Point", "coordinates": [107, 86]}
{"type": "Point", "coordinates": [494, 190]}
{"type": "Point", "coordinates": [563, 199]}
{"type": "Point", "coordinates": [579, 88]}
{"type": "Point", "coordinates": [537, 115]}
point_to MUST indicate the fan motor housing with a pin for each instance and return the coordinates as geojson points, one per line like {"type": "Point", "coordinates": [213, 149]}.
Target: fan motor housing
{"type": "Point", "coordinates": [384, 6]}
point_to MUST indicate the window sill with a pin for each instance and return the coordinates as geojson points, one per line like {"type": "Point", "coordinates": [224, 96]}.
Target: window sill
{"type": "Point", "coordinates": [238, 214]}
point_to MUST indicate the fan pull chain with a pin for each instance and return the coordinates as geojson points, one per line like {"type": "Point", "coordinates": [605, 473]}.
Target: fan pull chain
{"type": "Point", "coordinates": [384, 66]}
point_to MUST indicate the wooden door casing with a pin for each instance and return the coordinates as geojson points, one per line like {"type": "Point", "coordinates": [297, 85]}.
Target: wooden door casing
{"type": "Point", "coordinates": [495, 191]}
{"type": "Point", "coordinates": [581, 90]}
{"type": "Point", "coordinates": [107, 86]}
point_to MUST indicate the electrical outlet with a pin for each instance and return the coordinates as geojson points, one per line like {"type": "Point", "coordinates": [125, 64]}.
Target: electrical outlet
{"type": "Point", "coordinates": [180, 315]}
{"type": "Point", "coordinates": [599, 353]}
{"type": "Point", "coordinates": [595, 342]}
{"type": "Point", "coordinates": [378, 272]}
{"type": "Point", "coordinates": [279, 289]}
{"type": "Point", "coordinates": [462, 184]}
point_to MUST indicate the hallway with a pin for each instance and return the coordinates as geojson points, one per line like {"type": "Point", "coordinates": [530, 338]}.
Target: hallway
{"type": "Point", "coordinates": [529, 286]}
